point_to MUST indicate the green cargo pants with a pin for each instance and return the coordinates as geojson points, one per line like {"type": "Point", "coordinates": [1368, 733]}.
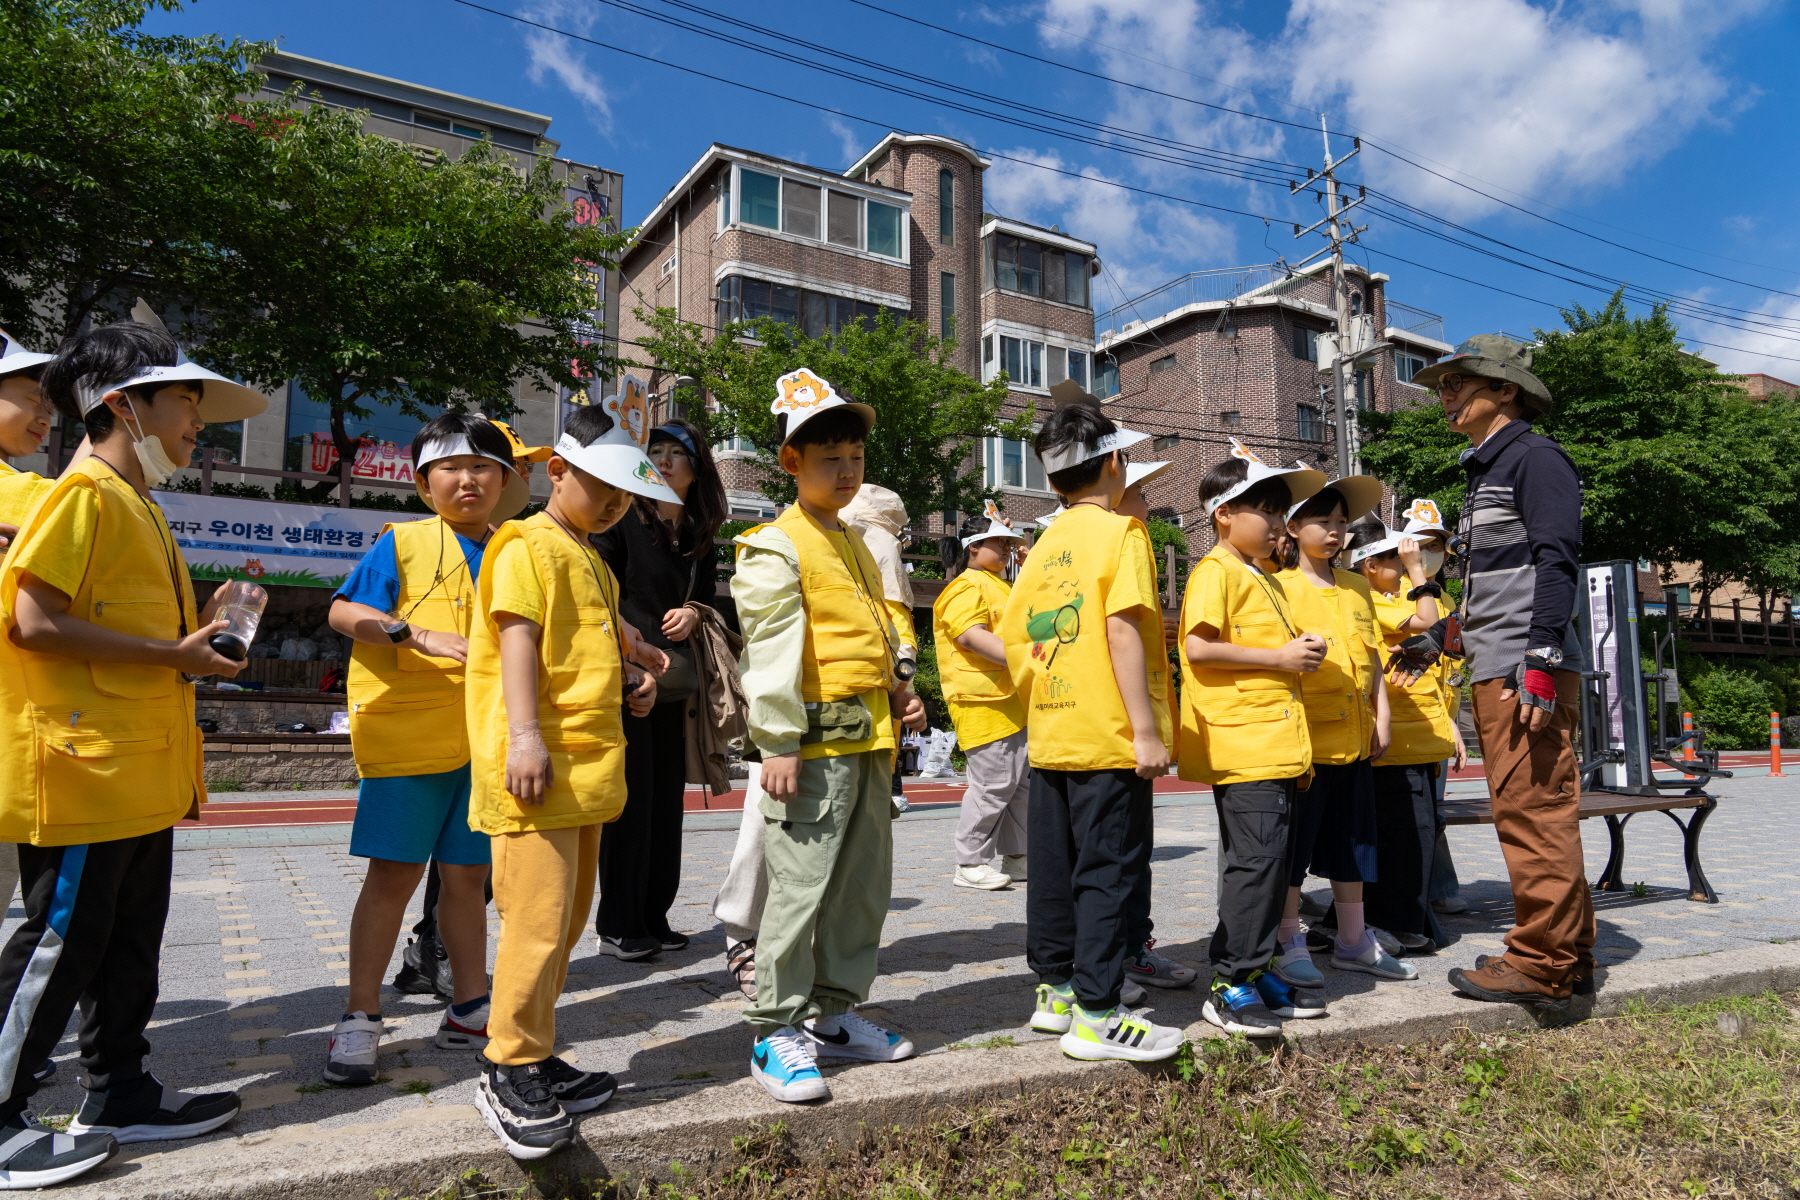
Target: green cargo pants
{"type": "Point", "coordinates": [829, 853]}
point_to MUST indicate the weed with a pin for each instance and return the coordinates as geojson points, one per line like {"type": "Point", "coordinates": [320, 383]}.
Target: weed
{"type": "Point", "coordinates": [307, 1089]}
{"type": "Point", "coordinates": [1393, 1147]}
{"type": "Point", "coordinates": [416, 1087]}
{"type": "Point", "coordinates": [226, 785]}
{"type": "Point", "coordinates": [1000, 1041]}
{"type": "Point", "coordinates": [1640, 889]}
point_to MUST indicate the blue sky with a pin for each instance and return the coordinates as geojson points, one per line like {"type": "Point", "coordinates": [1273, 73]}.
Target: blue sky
{"type": "Point", "coordinates": [1664, 125]}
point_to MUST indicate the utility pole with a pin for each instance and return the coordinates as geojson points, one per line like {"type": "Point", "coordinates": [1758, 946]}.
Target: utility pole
{"type": "Point", "coordinates": [1349, 451]}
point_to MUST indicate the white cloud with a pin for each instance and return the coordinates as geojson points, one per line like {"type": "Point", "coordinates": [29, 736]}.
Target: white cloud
{"type": "Point", "coordinates": [555, 56]}
{"type": "Point", "coordinates": [1769, 351]}
{"type": "Point", "coordinates": [852, 140]}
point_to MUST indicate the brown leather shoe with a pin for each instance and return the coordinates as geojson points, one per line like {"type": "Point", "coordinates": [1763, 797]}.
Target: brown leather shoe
{"type": "Point", "coordinates": [1496, 979]}
{"type": "Point", "coordinates": [1580, 977]}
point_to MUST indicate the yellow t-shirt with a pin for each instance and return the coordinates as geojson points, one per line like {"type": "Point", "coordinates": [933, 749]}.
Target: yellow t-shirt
{"type": "Point", "coordinates": [1092, 564]}
{"type": "Point", "coordinates": [517, 588]}
{"type": "Point", "coordinates": [1338, 697]}
{"type": "Point", "coordinates": [969, 600]}
{"type": "Point", "coordinates": [19, 493]}
{"type": "Point", "coordinates": [1240, 724]}
{"type": "Point", "coordinates": [876, 698]}
{"type": "Point", "coordinates": [1421, 726]}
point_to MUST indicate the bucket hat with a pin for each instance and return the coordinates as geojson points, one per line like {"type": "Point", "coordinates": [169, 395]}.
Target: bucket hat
{"type": "Point", "coordinates": [1493, 357]}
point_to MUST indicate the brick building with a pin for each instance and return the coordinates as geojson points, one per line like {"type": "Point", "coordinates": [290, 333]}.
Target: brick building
{"type": "Point", "coordinates": [1234, 353]}
{"type": "Point", "coordinates": [744, 235]}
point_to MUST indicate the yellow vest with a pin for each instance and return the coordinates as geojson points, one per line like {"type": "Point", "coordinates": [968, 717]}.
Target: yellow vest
{"type": "Point", "coordinates": [580, 689]}
{"type": "Point", "coordinates": [19, 493]}
{"type": "Point", "coordinates": [101, 750]}
{"type": "Point", "coordinates": [965, 676]}
{"type": "Point", "coordinates": [405, 707]}
{"type": "Point", "coordinates": [846, 651]}
{"type": "Point", "coordinates": [1421, 726]}
{"type": "Point", "coordinates": [1340, 710]}
{"type": "Point", "coordinates": [1054, 630]}
{"type": "Point", "coordinates": [1240, 724]}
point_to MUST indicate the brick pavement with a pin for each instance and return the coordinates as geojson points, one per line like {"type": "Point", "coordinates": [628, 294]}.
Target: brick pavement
{"type": "Point", "coordinates": [253, 974]}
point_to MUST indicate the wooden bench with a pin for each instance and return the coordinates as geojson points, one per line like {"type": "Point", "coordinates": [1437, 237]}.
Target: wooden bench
{"type": "Point", "coordinates": [1618, 809]}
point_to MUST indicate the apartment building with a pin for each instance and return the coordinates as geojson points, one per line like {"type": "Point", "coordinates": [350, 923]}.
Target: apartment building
{"type": "Point", "coordinates": [1215, 355]}
{"type": "Point", "coordinates": [294, 433]}
{"type": "Point", "coordinates": [903, 229]}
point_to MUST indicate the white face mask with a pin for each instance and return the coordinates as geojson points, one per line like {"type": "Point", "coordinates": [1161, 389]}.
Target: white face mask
{"type": "Point", "coordinates": [152, 458]}
{"type": "Point", "coordinates": [1432, 561]}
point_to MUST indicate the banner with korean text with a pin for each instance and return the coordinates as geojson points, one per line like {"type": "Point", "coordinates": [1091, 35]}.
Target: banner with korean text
{"type": "Point", "coordinates": [225, 537]}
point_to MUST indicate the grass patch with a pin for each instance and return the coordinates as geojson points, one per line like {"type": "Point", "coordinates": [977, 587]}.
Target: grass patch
{"type": "Point", "coordinates": [225, 785]}
{"type": "Point", "coordinates": [1696, 1101]}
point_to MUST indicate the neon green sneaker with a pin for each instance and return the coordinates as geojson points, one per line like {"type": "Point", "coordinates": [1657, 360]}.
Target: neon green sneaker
{"type": "Point", "coordinates": [1054, 1009]}
{"type": "Point", "coordinates": [1118, 1034]}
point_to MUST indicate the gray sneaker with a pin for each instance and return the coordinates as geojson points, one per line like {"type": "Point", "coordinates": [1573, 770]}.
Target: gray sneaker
{"type": "Point", "coordinates": [1371, 959]}
{"type": "Point", "coordinates": [1295, 966]}
{"type": "Point", "coordinates": [1153, 969]}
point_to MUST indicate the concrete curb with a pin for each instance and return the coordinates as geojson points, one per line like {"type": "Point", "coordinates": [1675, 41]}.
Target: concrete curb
{"type": "Point", "coordinates": [637, 1136]}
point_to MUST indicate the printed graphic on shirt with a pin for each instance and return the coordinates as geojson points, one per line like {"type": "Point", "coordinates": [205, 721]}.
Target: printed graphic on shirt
{"type": "Point", "coordinates": [1061, 624]}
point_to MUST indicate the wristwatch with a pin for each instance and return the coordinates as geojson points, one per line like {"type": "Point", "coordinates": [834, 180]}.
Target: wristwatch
{"type": "Point", "coordinates": [1550, 656]}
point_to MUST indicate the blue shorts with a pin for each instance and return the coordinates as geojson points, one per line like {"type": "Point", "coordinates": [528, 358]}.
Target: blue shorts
{"type": "Point", "coordinates": [413, 818]}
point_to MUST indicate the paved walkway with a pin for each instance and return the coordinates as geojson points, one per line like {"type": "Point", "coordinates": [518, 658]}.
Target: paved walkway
{"type": "Point", "coordinates": [254, 968]}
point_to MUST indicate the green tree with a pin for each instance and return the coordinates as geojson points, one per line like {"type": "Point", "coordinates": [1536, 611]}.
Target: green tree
{"type": "Point", "coordinates": [374, 276]}
{"type": "Point", "coordinates": [930, 414]}
{"type": "Point", "coordinates": [119, 161]}
{"type": "Point", "coordinates": [1677, 464]}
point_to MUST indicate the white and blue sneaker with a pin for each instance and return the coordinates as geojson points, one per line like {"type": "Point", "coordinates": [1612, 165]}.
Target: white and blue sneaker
{"type": "Point", "coordinates": [1296, 966]}
{"type": "Point", "coordinates": [850, 1036]}
{"type": "Point", "coordinates": [1371, 958]}
{"type": "Point", "coordinates": [1152, 968]}
{"type": "Point", "coordinates": [1285, 1001]}
{"type": "Point", "coordinates": [783, 1064]}
{"type": "Point", "coordinates": [1239, 1008]}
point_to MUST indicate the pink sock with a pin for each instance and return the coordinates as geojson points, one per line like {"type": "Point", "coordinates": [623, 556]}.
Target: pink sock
{"type": "Point", "coordinates": [1350, 923]}
{"type": "Point", "coordinates": [1289, 930]}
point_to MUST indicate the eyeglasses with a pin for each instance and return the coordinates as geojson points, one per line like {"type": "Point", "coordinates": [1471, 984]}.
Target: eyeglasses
{"type": "Point", "coordinates": [1451, 384]}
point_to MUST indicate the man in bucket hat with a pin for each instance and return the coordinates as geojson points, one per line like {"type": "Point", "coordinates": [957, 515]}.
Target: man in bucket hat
{"type": "Point", "coordinates": [1521, 521]}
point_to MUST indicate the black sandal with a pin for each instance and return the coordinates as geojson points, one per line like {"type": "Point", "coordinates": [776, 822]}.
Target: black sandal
{"type": "Point", "coordinates": [740, 960]}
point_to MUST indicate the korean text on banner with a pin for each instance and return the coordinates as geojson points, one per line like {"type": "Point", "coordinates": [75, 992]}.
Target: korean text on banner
{"type": "Point", "coordinates": [225, 537]}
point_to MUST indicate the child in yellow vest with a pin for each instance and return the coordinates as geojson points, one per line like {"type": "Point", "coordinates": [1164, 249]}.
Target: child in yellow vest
{"type": "Point", "coordinates": [408, 608]}
{"type": "Point", "coordinates": [103, 758]}
{"type": "Point", "coordinates": [984, 707]}
{"type": "Point", "coordinates": [821, 672]}
{"type": "Point", "coordinates": [1243, 729]}
{"type": "Point", "coordinates": [24, 424]}
{"type": "Point", "coordinates": [1084, 644]}
{"type": "Point", "coordinates": [1347, 721]}
{"type": "Point", "coordinates": [547, 675]}
{"type": "Point", "coordinates": [1399, 570]}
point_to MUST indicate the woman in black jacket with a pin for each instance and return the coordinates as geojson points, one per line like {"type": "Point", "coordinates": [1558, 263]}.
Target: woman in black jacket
{"type": "Point", "coordinates": [663, 556]}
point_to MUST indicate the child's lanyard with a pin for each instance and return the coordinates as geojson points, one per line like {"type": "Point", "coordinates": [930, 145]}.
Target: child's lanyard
{"type": "Point", "coordinates": [863, 590]}
{"type": "Point", "coordinates": [590, 555]}
{"type": "Point", "coordinates": [440, 568]}
{"type": "Point", "coordinates": [1269, 590]}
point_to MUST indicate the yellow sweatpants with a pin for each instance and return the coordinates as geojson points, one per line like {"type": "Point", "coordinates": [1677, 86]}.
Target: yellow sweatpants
{"type": "Point", "coordinates": [544, 893]}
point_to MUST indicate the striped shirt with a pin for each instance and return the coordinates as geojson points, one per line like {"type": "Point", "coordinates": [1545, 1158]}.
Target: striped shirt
{"type": "Point", "coordinates": [1521, 519]}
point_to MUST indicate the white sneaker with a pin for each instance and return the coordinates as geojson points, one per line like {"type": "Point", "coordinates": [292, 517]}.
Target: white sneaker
{"type": "Point", "coordinates": [1014, 866]}
{"type": "Point", "coordinates": [1130, 994]}
{"type": "Point", "coordinates": [350, 1057]}
{"type": "Point", "coordinates": [850, 1036]}
{"type": "Point", "coordinates": [983, 877]}
{"type": "Point", "coordinates": [464, 1033]}
{"type": "Point", "coordinates": [1119, 1035]}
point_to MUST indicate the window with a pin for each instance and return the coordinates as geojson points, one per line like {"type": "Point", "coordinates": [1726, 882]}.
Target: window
{"type": "Point", "coordinates": [814, 313]}
{"type": "Point", "coordinates": [1078, 367]}
{"type": "Point", "coordinates": [1406, 366]}
{"type": "Point", "coordinates": [460, 128]}
{"type": "Point", "coordinates": [668, 267]}
{"type": "Point", "coordinates": [1304, 342]}
{"type": "Point", "coordinates": [946, 304]}
{"type": "Point", "coordinates": [1017, 264]}
{"type": "Point", "coordinates": [308, 435]}
{"type": "Point", "coordinates": [736, 444]}
{"type": "Point", "coordinates": [1231, 420]}
{"type": "Point", "coordinates": [761, 201]}
{"type": "Point", "coordinates": [1165, 363]}
{"type": "Point", "coordinates": [1068, 364]}
{"type": "Point", "coordinates": [725, 197]}
{"type": "Point", "coordinates": [1311, 426]}
{"type": "Point", "coordinates": [1106, 377]}
{"type": "Point", "coordinates": [1013, 464]}
{"type": "Point", "coordinates": [800, 208]}
{"type": "Point", "coordinates": [843, 226]}
{"type": "Point", "coordinates": [884, 230]}
{"type": "Point", "coordinates": [947, 207]}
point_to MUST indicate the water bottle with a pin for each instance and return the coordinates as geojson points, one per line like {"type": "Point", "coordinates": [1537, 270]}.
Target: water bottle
{"type": "Point", "coordinates": [242, 611]}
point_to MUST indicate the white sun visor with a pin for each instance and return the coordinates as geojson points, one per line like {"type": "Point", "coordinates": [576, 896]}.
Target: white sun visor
{"type": "Point", "coordinates": [1302, 481]}
{"type": "Point", "coordinates": [15, 358]}
{"type": "Point", "coordinates": [617, 456]}
{"type": "Point", "coordinates": [1076, 453]}
{"type": "Point", "coordinates": [997, 527]}
{"type": "Point", "coordinates": [222, 400]}
{"type": "Point", "coordinates": [515, 493]}
{"type": "Point", "coordinates": [1139, 473]}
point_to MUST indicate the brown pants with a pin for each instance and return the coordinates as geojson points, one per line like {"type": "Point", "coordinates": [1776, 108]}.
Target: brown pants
{"type": "Point", "coordinates": [1537, 799]}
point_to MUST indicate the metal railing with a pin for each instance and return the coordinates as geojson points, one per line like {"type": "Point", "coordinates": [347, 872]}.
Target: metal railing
{"type": "Point", "coordinates": [1415, 320]}
{"type": "Point", "coordinates": [1196, 287]}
